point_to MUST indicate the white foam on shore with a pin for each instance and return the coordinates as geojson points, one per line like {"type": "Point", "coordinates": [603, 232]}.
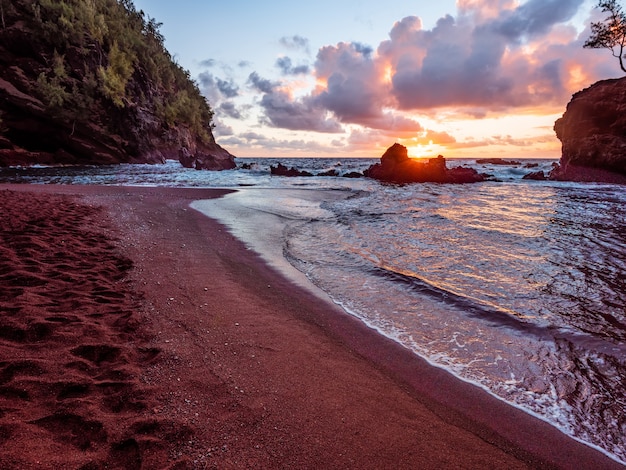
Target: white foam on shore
{"type": "Point", "coordinates": [259, 217]}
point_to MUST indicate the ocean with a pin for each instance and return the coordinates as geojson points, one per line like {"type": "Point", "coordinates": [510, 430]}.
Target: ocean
{"type": "Point", "coordinates": [517, 286]}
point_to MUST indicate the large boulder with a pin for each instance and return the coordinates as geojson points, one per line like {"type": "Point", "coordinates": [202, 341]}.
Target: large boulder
{"type": "Point", "coordinates": [396, 167]}
{"type": "Point", "coordinates": [593, 135]}
{"type": "Point", "coordinates": [207, 157]}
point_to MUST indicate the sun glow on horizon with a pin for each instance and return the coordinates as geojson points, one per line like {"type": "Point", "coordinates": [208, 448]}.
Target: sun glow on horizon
{"type": "Point", "coordinates": [422, 151]}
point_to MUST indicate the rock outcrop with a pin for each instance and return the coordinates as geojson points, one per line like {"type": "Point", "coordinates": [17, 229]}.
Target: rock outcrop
{"type": "Point", "coordinates": [593, 135]}
{"type": "Point", "coordinates": [282, 170]}
{"type": "Point", "coordinates": [497, 161]}
{"type": "Point", "coordinates": [396, 167]}
{"type": "Point", "coordinates": [91, 83]}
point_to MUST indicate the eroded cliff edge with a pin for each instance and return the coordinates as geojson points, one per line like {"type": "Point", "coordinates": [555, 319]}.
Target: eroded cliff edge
{"type": "Point", "coordinates": [92, 83]}
{"type": "Point", "coordinates": [593, 135]}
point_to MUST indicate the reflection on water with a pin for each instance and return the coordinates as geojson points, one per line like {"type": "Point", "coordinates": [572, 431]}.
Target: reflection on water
{"type": "Point", "coordinates": [517, 287]}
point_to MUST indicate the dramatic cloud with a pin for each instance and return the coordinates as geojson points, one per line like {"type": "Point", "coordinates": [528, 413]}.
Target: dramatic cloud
{"type": "Point", "coordinates": [354, 91]}
{"type": "Point", "coordinates": [492, 59]}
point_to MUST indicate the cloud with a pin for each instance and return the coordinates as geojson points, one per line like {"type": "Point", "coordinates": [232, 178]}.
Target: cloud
{"type": "Point", "coordinates": [215, 89]}
{"type": "Point", "coordinates": [484, 59]}
{"type": "Point", "coordinates": [280, 110]}
{"type": "Point", "coordinates": [441, 138]}
{"type": "Point", "coordinates": [535, 17]}
{"type": "Point", "coordinates": [227, 88]}
{"type": "Point", "coordinates": [222, 130]}
{"type": "Point", "coordinates": [261, 84]}
{"type": "Point", "coordinates": [353, 91]}
{"type": "Point", "coordinates": [492, 57]}
{"type": "Point", "coordinates": [295, 43]}
{"type": "Point", "coordinates": [286, 67]}
{"type": "Point", "coordinates": [229, 109]}
{"type": "Point", "coordinates": [270, 146]}
{"type": "Point", "coordinates": [209, 88]}
{"type": "Point", "coordinates": [207, 63]}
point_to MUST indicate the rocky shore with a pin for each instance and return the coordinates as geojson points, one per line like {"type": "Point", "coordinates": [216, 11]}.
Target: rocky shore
{"type": "Point", "coordinates": [593, 135]}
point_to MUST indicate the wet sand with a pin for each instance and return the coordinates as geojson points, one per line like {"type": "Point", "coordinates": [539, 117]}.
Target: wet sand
{"type": "Point", "coordinates": [137, 333]}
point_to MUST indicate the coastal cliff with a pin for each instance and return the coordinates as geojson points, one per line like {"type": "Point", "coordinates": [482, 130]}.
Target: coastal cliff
{"type": "Point", "coordinates": [593, 135]}
{"type": "Point", "coordinates": [92, 83]}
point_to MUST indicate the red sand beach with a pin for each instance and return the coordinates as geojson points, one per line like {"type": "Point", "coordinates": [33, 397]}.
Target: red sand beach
{"type": "Point", "coordinates": [137, 333]}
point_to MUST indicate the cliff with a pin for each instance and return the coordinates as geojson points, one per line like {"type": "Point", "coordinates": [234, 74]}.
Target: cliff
{"type": "Point", "coordinates": [593, 135]}
{"type": "Point", "coordinates": [396, 167]}
{"type": "Point", "coordinates": [91, 83]}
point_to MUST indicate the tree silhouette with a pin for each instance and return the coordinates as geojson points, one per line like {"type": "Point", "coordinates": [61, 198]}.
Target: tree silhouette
{"type": "Point", "coordinates": [611, 33]}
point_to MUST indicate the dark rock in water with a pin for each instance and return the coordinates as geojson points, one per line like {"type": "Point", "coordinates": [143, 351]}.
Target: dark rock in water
{"type": "Point", "coordinates": [282, 170]}
{"type": "Point", "coordinates": [497, 161]}
{"type": "Point", "coordinates": [535, 175]}
{"type": "Point", "coordinates": [396, 167]}
{"type": "Point", "coordinates": [353, 174]}
{"type": "Point", "coordinates": [207, 157]}
{"type": "Point", "coordinates": [329, 173]}
{"type": "Point", "coordinates": [593, 135]}
{"type": "Point", "coordinates": [531, 165]}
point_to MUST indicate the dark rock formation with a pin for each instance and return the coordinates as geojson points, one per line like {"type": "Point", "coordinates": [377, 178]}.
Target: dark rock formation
{"type": "Point", "coordinates": [352, 174]}
{"type": "Point", "coordinates": [70, 95]}
{"type": "Point", "coordinates": [331, 172]}
{"type": "Point", "coordinates": [282, 170]}
{"type": "Point", "coordinates": [535, 175]}
{"type": "Point", "coordinates": [206, 157]}
{"type": "Point", "coordinates": [593, 135]}
{"type": "Point", "coordinates": [396, 167]}
{"type": "Point", "coordinates": [497, 161]}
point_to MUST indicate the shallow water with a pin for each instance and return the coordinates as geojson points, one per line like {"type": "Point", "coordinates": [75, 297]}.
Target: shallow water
{"type": "Point", "coordinates": [518, 286]}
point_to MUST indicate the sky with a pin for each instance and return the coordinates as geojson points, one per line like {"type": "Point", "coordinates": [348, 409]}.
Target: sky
{"type": "Point", "coordinates": [349, 78]}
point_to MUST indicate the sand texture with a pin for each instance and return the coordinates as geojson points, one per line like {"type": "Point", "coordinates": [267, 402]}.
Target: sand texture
{"type": "Point", "coordinates": [137, 333]}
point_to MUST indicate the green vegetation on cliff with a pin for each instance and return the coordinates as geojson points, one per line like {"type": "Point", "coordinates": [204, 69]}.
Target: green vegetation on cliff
{"type": "Point", "coordinates": [116, 42]}
{"type": "Point", "coordinates": [70, 69]}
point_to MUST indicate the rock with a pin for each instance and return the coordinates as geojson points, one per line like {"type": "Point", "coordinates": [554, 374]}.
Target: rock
{"type": "Point", "coordinates": [593, 135]}
{"type": "Point", "coordinates": [535, 175]}
{"type": "Point", "coordinates": [396, 167]}
{"type": "Point", "coordinates": [207, 157]}
{"type": "Point", "coordinates": [353, 174]}
{"type": "Point", "coordinates": [497, 161]}
{"type": "Point", "coordinates": [331, 172]}
{"type": "Point", "coordinates": [282, 170]}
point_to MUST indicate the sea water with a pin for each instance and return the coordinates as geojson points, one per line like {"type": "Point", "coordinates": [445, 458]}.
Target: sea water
{"type": "Point", "coordinates": [518, 286]}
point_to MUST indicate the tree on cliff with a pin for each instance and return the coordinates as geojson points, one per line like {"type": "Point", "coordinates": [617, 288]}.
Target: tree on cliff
{"type": "Point", "coordinates": [90, 81]}
{"type": "Point", "coordinates": [611, 33]}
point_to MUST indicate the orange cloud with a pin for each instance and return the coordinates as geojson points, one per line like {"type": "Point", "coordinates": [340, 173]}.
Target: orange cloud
{"type": "Point", "coordinates": [496, 57]}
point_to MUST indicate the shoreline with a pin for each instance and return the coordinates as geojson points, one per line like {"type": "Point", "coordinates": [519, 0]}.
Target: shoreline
{"type": "Point", "coordinates": [263, 373]}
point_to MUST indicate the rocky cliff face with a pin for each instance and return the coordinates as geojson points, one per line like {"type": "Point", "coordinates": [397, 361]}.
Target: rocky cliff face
{"type": "Point", "coordinates": [90, 83]}
{"type": "Point", "coordinates": [593, 134]}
